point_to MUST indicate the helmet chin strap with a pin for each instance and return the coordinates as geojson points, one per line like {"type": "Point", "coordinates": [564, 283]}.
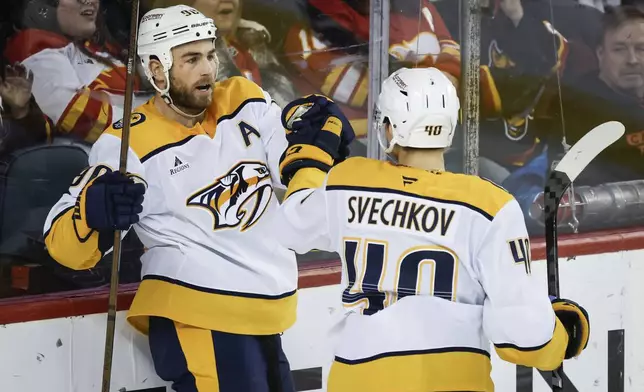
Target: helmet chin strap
{"type": "Point", "coordinates": [165, 95]}
{"type": "Point", "coordinates": [387, 147]}
{"type": "Point", "coordinates": [168, 99]}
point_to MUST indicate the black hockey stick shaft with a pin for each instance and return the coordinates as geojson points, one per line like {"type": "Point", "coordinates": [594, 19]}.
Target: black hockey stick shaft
{"type": "Point", "coordinates": [557, 184]}
{"type": "Point", "coordinates": [125, 146]}
{"type": "Point", "coordinates": [567, 170]}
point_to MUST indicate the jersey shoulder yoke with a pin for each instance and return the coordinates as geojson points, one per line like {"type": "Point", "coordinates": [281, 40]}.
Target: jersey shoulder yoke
{"type": "Point", "coordinates": [363, 174]}
{"type": "Point", "coordinates": [232, 94]}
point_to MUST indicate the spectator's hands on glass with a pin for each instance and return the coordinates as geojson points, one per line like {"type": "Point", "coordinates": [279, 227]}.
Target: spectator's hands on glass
{"type": "Point", "coordinates": [15, 89]}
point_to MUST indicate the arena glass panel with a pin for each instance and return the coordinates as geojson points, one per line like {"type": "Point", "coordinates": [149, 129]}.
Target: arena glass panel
{"type": "Point", "coordinates": [532, 103]}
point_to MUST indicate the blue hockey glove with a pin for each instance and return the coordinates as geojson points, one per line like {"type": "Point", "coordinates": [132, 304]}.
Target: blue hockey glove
{"type": "Point", "coordinates": [577, 323]}
{"type": "Point", "coordinates": [318, 134]}
{"type": "Point", "coordinates": [113, 201]}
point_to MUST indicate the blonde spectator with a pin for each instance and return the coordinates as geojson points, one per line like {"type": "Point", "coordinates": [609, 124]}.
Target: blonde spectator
{"type": "Point", "coordinates": [242, 47]}
{"type": "Point", "coordinates": [79, 74]}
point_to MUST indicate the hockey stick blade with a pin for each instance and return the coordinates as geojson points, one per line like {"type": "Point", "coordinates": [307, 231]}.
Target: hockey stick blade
{"type": "Point", "coordinates": [588, 147]}
{"type": "Point", "coordinates": [566, 171]}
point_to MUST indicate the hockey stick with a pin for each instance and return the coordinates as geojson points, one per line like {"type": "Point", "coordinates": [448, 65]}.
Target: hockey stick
{"type": "Point", "coordinates": [125, 146]}
{"type": "Point", "coordinates": [566, 171]}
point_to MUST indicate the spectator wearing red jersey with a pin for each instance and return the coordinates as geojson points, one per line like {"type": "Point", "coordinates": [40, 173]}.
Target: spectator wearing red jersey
{"type": "Point", "coordinates": [330, 55]}
{"type": "Point", "coordinates": [79, 72]}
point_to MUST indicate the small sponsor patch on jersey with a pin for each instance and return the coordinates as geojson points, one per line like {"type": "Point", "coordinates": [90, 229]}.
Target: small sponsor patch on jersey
{"type": "Point", "coordinates": [137, 118]}
{"type": "Point", "coordinates": [408, 180]}
{"type": "Point", "coordinates": [179, 166]}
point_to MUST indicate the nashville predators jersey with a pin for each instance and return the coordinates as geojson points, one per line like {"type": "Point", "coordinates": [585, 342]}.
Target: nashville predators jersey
{"type": "Point", "coordinates": [434, 266]}
{"type": "Point", "coordinates": [211, 259]}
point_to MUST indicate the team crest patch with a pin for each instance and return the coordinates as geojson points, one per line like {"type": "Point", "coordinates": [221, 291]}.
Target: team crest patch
{"type": "Point", "coordinates": [238, 197]}
{"type": "Point", "coordinates": [137, 118]}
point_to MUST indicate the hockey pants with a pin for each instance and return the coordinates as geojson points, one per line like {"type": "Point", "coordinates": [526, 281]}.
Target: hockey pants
{"type": "Point", "coordinates": [199, 360]}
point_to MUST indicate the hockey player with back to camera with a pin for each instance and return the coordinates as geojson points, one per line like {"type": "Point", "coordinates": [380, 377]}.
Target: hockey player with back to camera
{"type": "Point", "coordinates": [216, 290]}
{"type": "Point", "coordinates": [435, 264]}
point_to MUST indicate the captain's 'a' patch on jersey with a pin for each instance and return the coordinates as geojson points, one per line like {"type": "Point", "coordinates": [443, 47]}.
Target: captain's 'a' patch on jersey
{"type": "Point", "coordinates": [238, 197]}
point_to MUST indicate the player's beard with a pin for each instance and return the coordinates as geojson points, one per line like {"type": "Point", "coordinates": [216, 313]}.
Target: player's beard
{"type": "Point", "coordinates": [186, 97]}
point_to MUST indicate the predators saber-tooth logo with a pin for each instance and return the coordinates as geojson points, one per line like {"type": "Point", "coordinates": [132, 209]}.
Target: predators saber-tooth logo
{"type": "Point", "coordinates": [228, 198]}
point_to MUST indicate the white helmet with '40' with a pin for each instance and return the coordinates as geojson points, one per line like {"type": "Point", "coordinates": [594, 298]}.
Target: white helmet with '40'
{"type": "Point", "coordinates": [162, 29]}
{"type": "Point", "coordinates": [421, 106]}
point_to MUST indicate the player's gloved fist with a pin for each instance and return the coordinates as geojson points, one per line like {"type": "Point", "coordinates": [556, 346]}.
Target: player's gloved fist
{"type": "Point", "coordinates": [577, 323]}
{"type": "Point", "coordinates": [305, 117]}
{"type": "Point", "coordinates": [113, 202]}
{"type": "Point", "coordinates": [318, 135]}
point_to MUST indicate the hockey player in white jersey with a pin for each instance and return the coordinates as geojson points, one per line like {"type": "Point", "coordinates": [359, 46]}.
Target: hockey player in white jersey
{"type": "Point", "coordinates": [434, 264]}
{"type": "Point", "coordinates": [216, 289]}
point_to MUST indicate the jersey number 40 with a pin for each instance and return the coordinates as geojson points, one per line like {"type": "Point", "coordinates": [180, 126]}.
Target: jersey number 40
{"type": "Point", "coordinates": [373, 285]}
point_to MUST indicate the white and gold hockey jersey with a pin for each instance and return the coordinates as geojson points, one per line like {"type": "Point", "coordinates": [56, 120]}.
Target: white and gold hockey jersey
{"type": "Point", "coordinates": [212, 260]}
{"type": "Point", "coordinates": [434, 266]}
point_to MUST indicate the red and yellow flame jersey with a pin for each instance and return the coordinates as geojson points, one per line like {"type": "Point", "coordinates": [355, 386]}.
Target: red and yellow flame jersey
{"type": "Point", "coordinates": [80, 94]}
{"type": "Point", "coordinates": [331, 56]}
{"type": "Point", "coordinates": [244, 61]}
{"type": "Point", "coordinates": [212, 260]}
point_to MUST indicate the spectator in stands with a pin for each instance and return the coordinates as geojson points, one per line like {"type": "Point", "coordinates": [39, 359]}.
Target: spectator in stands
{"type": "Point", "coordinates": [579, 23]}
{"type": "Point", "coordinates": [79, 72]}
{"type": "Point", "coordinates": [22, 124]}
{"type": "Point", "coordinates": [524, 54]}
{"type": "Point", "coordinates": [615, 92]}
{"type": "Point", "coordinates": [28, 183]}
{"type": "Point", "coordinates": [242, 47]}
{"type": "Point", "coordinates": [331, 54]}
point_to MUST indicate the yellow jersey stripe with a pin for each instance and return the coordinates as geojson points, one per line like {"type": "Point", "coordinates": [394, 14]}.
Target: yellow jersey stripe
{"type": "Point", "coordinates": [229, 98]}
{"type": "Point", "coordinates": [164, 147]}
{"type": "Point", "coordinates": [199, 351]}
{"type": "Point", "coordinates": [548, 356]}
{"type": "Point", "coordinates": [239, 313]}
{"type": "Point", "coordinates": [230, 95]}
{"type": "Point", "coordinates": [58, 216]}
{"type": "Point", "coordinates": [239, 108]}
{"type": "Point", "coordinates": [432, 370]}
{"type": "Point", "coordinates": [67, 247]}
{"type": "Point", "coordinates": [413, 352]}
{"type": "Point", "coordinates": [217, 291]}
{"type": "Point", "coordinates": [305, 178]}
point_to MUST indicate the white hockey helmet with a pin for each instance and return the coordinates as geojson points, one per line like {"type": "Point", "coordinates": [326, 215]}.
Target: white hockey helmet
{"type": "Point", "coordinates": [162, 29]}
{"type": "Point", "coordinates": [422, 107]}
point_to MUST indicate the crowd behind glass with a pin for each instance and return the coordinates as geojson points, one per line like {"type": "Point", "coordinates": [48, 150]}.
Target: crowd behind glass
{"type": "Point", "coordinates": [551, 70]}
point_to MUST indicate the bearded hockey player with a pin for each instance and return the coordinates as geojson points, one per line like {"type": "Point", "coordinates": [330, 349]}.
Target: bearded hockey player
{"type": "Point", "coordinates": [216, 289]}
{"type": "Point", "coordinates": [435, 264]}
